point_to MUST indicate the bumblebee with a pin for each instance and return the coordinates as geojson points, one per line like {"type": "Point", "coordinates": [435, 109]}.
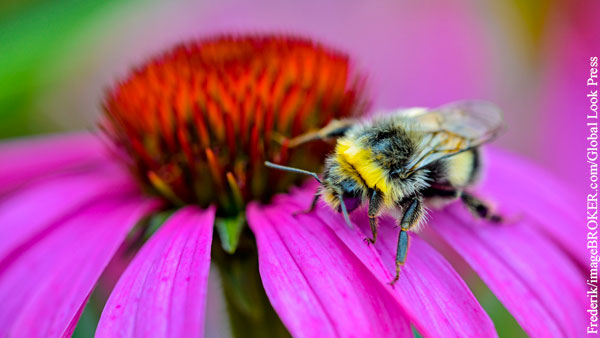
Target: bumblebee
{"type": "Point", "coordinates": [403, 160]}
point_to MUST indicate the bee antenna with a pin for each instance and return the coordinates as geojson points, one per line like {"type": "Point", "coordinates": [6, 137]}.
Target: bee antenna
{"type": "Point", "coordinates": [345, 212]}
{"type": "Point", "coordinates": [291, 169]}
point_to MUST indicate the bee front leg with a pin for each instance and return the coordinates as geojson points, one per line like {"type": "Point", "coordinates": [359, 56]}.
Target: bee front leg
{"type": "Point", "coordinates": [310, 209]}
{"type": "Point", "coordinates": [375, 204]}
{"type": "Point", "coordinates": [413, 213]}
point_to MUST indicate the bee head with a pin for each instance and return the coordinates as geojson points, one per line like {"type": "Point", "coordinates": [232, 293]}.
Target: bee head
{"type": "Point", "coordinates": [336, 190]}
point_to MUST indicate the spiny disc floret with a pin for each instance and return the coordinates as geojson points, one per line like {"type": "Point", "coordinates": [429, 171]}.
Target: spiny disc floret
{"type": "Point", "coordinates": [197, 122]}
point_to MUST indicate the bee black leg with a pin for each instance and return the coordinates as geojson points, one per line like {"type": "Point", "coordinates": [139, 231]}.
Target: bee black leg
{"type": "Point", "coordinates": [413, 212]}
{"type": "Point", "coordinates": [375, 203]}
{"type": "Point", "coordinates": [312, 207]}
{"type": "Point", "coordinates": [449, 193]}
{"type": "Point", "coordinates": [479, 207]}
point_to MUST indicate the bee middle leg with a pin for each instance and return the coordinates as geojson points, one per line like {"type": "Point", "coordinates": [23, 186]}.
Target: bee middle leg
{"type": "Point", "coordinates": [413, 213]}
{"type": "Point", "coordinates": [375, 204]}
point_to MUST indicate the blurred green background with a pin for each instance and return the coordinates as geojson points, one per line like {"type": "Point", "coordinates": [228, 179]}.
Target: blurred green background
{"type": "Point", "coordinates": [38, 41]}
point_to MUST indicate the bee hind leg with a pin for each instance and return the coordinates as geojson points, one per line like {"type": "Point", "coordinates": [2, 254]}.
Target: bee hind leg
{"type": "Point", "coordinates": [479, 207]}
{"type": "Point", "coordinates": [375, 204]}
{"type": "Point", "coordinates": [413, 213]}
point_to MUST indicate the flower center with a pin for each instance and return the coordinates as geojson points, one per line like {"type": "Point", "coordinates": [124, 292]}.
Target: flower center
{"type": "Point", "coordinates": [198, 122]}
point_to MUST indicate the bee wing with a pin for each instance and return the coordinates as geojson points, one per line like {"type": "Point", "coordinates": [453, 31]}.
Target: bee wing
{"type": "Point", "coordinates": [453, 128]}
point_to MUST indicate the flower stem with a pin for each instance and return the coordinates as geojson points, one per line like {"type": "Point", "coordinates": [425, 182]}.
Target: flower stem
{"type": "Point", "coordinates": [250, 312]}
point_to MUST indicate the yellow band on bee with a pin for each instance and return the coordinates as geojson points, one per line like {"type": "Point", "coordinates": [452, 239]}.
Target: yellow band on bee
{"type": "Point", "coordinates": [362, 160]}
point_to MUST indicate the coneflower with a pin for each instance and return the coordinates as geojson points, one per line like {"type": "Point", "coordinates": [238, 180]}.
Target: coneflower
{"type": "Point", "coordinates": [188, 133]}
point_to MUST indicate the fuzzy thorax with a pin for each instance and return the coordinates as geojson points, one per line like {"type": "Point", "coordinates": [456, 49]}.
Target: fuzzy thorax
{"type": "Point", "coordinates": [360, 163]}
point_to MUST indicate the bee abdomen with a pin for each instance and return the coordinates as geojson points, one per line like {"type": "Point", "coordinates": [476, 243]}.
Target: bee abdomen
{"type": "Point", "coordinates": [463, 169]}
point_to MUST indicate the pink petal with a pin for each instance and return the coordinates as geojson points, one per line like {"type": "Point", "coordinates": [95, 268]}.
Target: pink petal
{"type": "Point", "coordinates": [431, 293]}
{"type": "Point", "coordinates": [163, 291]}
{"type": "Point", "coordinates": [316, 284]}
{"type": "Point", "coordinates": [27, 212]}
{"type": "Point", "coordinates": [42, 289]}
{"type": "Point", "coordinates": [520, 188]}
{"type": "Point", "coordinates": [530, 275]}
{"type": "Point", "coordinates": [24, 160]}
{"type": "Point", "coordinates": [73, 324]}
